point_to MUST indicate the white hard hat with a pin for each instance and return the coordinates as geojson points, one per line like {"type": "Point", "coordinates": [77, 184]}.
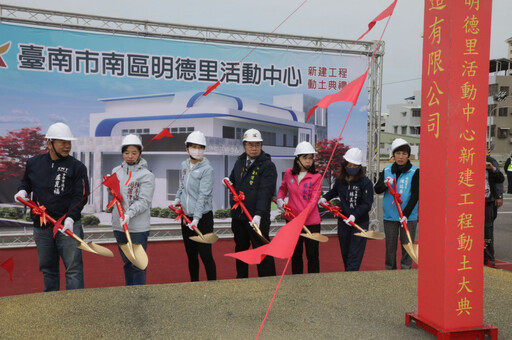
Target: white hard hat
{"type": "Point", "coordinates": [252, 135]}
{"type": "Point", "coordinates": [398, 143]}
{"type": "Point", "coordinates": [131, 140]}
{"type": "Point", "coordinates": [196, 137]}
{"type": "Point", "coordinates": [304, 148]}
{"type": "Point", "coordinates": [59, 131]}
{"type": "Point", "coordinates": [354, 156]}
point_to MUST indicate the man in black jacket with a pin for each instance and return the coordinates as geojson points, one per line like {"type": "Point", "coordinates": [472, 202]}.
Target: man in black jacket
{"type": "Point", "coordinates": [58, 182]}
{"type": "Point", "coordinates": [255, 175]}
{"type": "Point", "coordinates": [493, 199]}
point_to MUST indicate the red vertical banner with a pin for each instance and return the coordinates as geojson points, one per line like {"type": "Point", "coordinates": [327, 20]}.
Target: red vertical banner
{"type": "Point", "coordinates": [456, 39]}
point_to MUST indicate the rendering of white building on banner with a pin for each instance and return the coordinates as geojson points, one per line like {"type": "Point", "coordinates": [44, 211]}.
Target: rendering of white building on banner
{"type": "Point", "coordinates": [222, 117]}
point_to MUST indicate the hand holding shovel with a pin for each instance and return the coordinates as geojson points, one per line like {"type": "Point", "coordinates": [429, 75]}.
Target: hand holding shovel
{"type": "Point", "coordinates": [89, 246]}
{"type": "Point", "coordinates": [411, 248]}
{"type": "Point", "coordinates": [307, 234]}
{"type": "Point", "coordinates": [362, 233]}
{"type": "Point", "coordinates": [239, 199]}
{"type": "Point", "coordinates": [208, 238]}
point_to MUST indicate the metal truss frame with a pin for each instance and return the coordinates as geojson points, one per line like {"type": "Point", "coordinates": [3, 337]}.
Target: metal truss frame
{"type": "Point", "coordinates": [160, 30]}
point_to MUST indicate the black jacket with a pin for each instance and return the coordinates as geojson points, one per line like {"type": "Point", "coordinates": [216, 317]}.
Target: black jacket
{"type": "Point", "coordinates": [356, 198]}
{"type": "Point", "coordinates": [496, 180]}
{"type": "Point", "coordinates": [258, 183]}
{"type": "Point", "coordinates": [61, 186]}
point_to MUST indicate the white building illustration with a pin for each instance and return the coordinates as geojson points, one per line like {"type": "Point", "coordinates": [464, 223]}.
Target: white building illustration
{"type": "Point", "coordinates": [221, 117]}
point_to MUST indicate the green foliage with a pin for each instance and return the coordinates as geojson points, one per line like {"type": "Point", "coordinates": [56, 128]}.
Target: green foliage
{"type": "Point", "coordinates": [27, 217]}
{"type": "Point", "coordinates": [90, 220]}
{"type": "Point", "coordinates": [11, 213]}
{"type": "Point", "coordinates": [222, 213]}
{"type": "Point", "coordinates": [155, 212]}
{"type": "Point", "coordinates": [167, 213]}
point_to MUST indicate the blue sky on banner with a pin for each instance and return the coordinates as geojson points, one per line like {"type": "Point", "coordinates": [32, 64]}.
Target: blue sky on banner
{"type": "Point", "coordinates": [58, 91]}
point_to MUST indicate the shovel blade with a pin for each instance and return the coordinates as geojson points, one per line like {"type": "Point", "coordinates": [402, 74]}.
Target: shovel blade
{"type": "Point", "coordinates": [315, 236]}
{"type": "Point", "coordinates": [100, 250]}
{"type": "Point", "coordinates": [85, 246]}
{"type": "Point", "coordinates": [412, 250]}
{"type": "Point", "coordinates": [139, 259]}
{"type": "Point", "coordinates": [374, 235]}
{"type": "Point", "coordinates": [205, 238]}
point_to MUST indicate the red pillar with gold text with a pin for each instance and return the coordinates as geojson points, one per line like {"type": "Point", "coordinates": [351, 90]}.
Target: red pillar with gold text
{"type": "Point", "coordinates": [456, 40]}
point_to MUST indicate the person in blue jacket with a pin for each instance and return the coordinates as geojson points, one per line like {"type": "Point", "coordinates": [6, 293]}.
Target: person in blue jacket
{"type": "Point", "coordinates": [59, 182]}
{"type": "Point", "coordinates": [406, 178]}
{"type": "Point", "coordinates": [355, 192]}
{"type": "Point", "coordinates": [195, 196]}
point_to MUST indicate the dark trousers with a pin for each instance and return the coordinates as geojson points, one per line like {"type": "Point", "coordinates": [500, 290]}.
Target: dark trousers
{"type": "Point", "coordinates": [311, 253]}
{"type": "Point", "coordinates": [244, 236]}
{"type": "Point", "coordinates": [509, 180]}
{"type": "Point", "coordinates": [204, 250]}
{"type": "Point", "coordinates": [392, 229]}
{"type": "Point", "coordinates": [489, 233]}
{"type": "Point", "coordinates": [352, 246]}
{"type": "Point", "coordinates": [133, 276]}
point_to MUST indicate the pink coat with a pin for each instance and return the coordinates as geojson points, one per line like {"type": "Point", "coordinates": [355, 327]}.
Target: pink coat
{"type": "Point", "coordinates": [299, 194]}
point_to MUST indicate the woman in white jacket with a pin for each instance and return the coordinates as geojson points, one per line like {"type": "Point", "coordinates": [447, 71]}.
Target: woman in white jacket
{"type": "Point", "coordinates": [195, 196]}
{"type": "Point", "coordinates": [137, 185]}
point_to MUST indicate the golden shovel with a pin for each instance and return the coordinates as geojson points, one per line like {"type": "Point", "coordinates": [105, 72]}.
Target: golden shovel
{"type": "Point", "coordinates": [135, 253]}
{"type": "Point", "coordinates": [313, 236]}
{"type": "Point", "coordinates": [410, 248]}
{"type": "Point", "coordinates": [208, 238]}
{"type": "Point", "coordinates": [89, 246]}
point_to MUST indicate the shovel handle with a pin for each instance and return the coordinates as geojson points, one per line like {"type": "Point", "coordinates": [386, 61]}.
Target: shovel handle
{"type": "Point", "coordinates": [339, 214]}
{"type": "Point", "coordinates": [399, 208]}
{"type": "Point", "coordinates": [32, 205]}
{"type": "Point", "coordinates": [240, 203]}
{"type": "Point", "coordinates": [181, 214]}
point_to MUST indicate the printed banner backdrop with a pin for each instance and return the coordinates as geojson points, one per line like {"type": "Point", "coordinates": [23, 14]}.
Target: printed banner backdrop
{"type": "Point", "coordinates": [49, 75]}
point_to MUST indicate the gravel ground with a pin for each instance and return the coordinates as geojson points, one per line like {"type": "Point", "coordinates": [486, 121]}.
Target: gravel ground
{"type": "Point", "coordinates": [359, 305]}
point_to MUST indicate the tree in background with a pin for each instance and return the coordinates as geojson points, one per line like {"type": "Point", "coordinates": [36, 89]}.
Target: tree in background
{"type": "Point", "coordinates": [16, 148]}
{"type": "Point", "coordinates": [324, 149]}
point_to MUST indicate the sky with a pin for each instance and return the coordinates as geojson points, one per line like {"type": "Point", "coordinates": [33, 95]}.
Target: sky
{"type": "Point", "coordinates": [339, 19]}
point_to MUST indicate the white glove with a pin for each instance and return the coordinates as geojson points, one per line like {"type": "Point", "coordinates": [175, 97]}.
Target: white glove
{"type": "Point", "coordinates": [389, 180]}
{"type": "Point", "coordinates": [280, 203]}
{"type": "Point", "coordinates": [224, 181]}
{"type": "Point", "coordinates": [255, 221]}
{"type": "Point", "coordinates": [23, 194]}
{"type": "Point", "coordinates": [321, 201]}
{"type": "Point", "coordinates": [68, 225]}
{"type": "Point", "coordinates": [175, 203]}
{"type": "Point", "coordinates": [193, 223]}
{"type": "Point", "coordinates": [126, 220]}
{"type": "Point", "coordinates": [351, 218]}
{"type": "Point", "coordinates": [403, 219]}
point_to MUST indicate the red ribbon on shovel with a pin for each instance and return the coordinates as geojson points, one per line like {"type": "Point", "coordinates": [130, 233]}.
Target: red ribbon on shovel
{"type": "Point", "coordinates": [239, 199]}
{"type": "Point", "coordinates": [206, 238]}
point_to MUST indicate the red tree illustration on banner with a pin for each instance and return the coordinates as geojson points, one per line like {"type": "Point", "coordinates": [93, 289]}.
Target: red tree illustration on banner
{"type": "Point", "coordinates": [16, 148]}
{"type": "Point", "coordinates": [324, 149]}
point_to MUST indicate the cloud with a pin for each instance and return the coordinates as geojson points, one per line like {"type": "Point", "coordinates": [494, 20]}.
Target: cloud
{"type": "Point", "coordinates": [56, 118]}
{"type": "Point", "coordinates": [18, 119]}
{"type": "Point", "coordinates": [18, 112]}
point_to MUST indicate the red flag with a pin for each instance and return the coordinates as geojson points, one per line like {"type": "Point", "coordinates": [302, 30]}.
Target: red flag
{"type": "Point", "coordinates": [350, 93]}
{"type": "Point", "coordinates": [281, 246]}
{"type": "Point", "coordinates": [162, 134]}
{"type": "Point", "coordinates": [9, 266]}
{"type": "Point", "coordinates": [57, 226]}
{"type": "Point", "coordinates": [210, 88]}
{"type": "Point", "coordinates": [386, 13]}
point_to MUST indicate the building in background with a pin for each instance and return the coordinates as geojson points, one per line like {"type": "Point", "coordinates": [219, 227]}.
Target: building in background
{"type": "Point", "coordinates": [223, 118]}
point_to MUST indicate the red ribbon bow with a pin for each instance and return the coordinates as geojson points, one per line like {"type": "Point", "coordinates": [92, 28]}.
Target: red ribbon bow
{"type": "Point", "coordinates": [41, 211]}
{"type": "Point", "coordinates": [238, 198]}
{"type": "Point", "coordinates": [287, 211]}
{"type": "Point", "coordinates": [394, 193]}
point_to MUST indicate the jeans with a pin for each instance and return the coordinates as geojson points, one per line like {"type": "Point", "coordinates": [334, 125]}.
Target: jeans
{"type": "Point", "coordinates": [49, 250]}
{"type": "Point", "coordinates": [392, 229]}
{"type": "Point", "coordinates": [132, 275]}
